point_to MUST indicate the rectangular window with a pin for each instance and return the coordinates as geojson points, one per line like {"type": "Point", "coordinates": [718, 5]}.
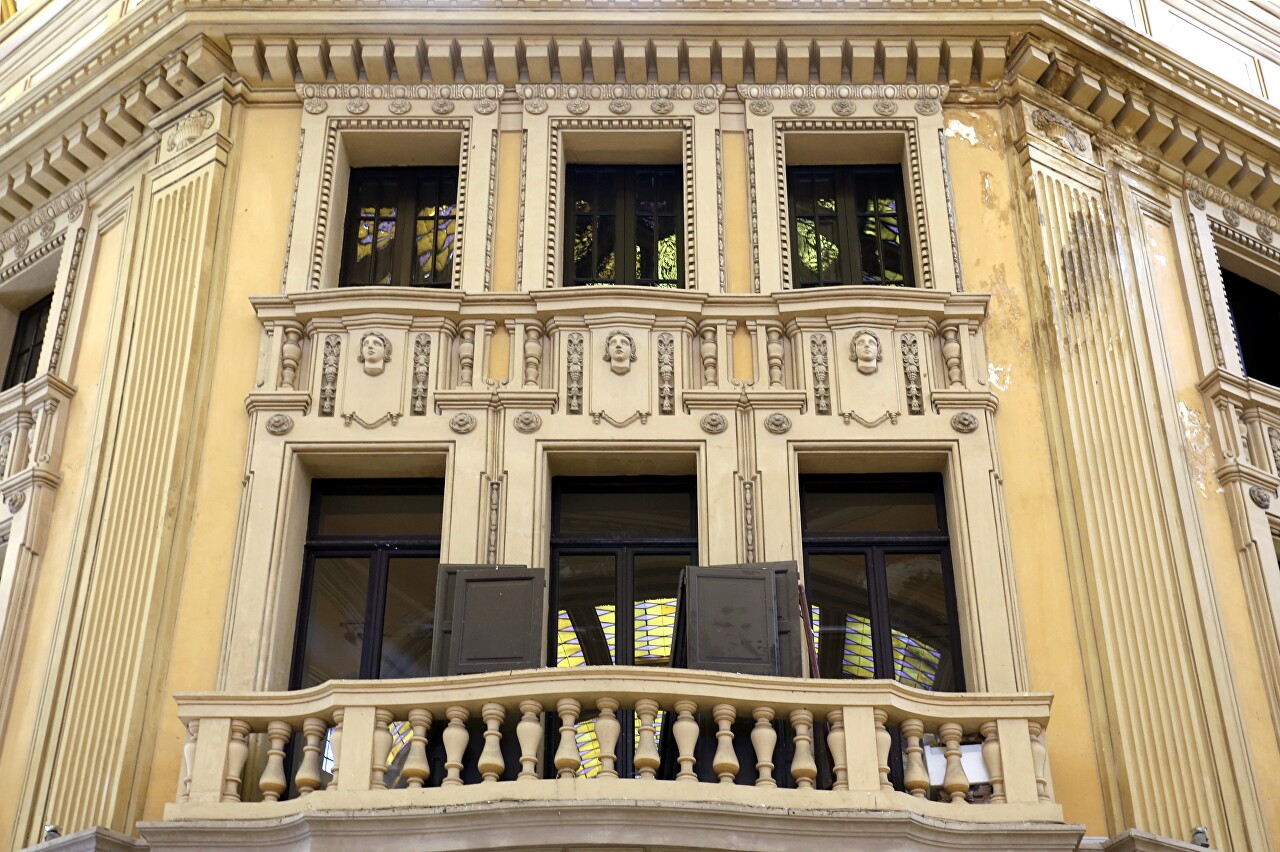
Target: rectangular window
{"type": "Point", "coordinates": [624, 225]}
{"type": "Point", "coordinates": [367, 608]}
{"type": "Point", "coordinates": [1255, 312]}
{"type": "Point", "coordinates": [878, 580]}
{"type": "Point", "coordinates": [401, 227]}
{"type": "Point", "coordinates": [28, 340]}
{"type": "Point", "coordinates": [848, 226]}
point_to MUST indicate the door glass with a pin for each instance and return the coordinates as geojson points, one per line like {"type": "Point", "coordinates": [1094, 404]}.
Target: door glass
{"type": "Point", "coordinates": [839, 605]}
{"type": "Point", "coordinates": [845, 510]}
{"type": "Point", "coordinates": [586, 632]}
{"type": "Point", "coordinates": [657, 580]}
{"type": "Point", "coordinates": [384, 514]}
{"type": "Point", "coordinates": [922, 654]}
{"type": "Point", "coordinates": [335, 619]}
{"type": "Point", "coordinates": [408, 623]}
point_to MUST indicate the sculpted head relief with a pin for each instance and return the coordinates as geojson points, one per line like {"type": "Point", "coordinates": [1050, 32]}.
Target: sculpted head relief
{"type": "Point", "coordinates": [375, 352]}
{"type": "Point", "coordinates": [866, 350]}
{"type": "Point", "coordinates": [619, 351]}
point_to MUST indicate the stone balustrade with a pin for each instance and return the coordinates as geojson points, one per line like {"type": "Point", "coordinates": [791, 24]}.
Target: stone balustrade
{"type": "Point", "coordinates": [518, 736]}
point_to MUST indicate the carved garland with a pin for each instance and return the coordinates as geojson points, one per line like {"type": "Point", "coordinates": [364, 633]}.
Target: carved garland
{"type": "Point", "coordinates": [492, 208]}
{"type": "Point", "coordinates": [754, 211]}
{"type": "Point", "coordinates": [724, 284]}
{"type": "Point", "coordinates": [951, 209]}
{"type": "Point", "coordinates": [329, 167]}
{"type": "Point", "coordinates": [524, 165]}
{"type": "Point", "coordinates": [554, 157]}
{"type": "Point", "coordinates": [911, 369]}
{"type": "Point", "coordinates": [749, 519]}
{"type": "Point", "coordinates": [666, 374]}
{"type": "Point", "coordinates": [421, 369]}
{"type": "Point", "coordinates": [915, 198]}
{"type": "Point", "coordinates": [821, 373]}
{"type": "Point", "coordinates": [573, 387]}
{"type": "Point", "coordinates": [64, 310]}
{"type": "Point", "coordinates": [329, 374]}
{"type": "Point", "coordinates": [1206, 298]}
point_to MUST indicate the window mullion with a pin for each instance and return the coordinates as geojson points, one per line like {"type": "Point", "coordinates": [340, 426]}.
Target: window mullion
{"type": "Point", "coordinates": [406, 227]}
{"type": "Point", "coordinates": [881, 631]}
{"type": "Point", "coordinates": [375, 610]}
{"type": "Point", "coordinates": [847, 225]}
{"type": "Point", "coordinates": [625, 228]}
{"type": "Point", "coordinates": [623, 629]}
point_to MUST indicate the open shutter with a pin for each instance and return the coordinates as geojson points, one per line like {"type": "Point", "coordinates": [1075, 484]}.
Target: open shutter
{"type": "Point", "coordinates": [731, 619]}
{"type": "Point", "coordinates": [489, 618]}
{"type": "Point", "coordinates": [791, 641]}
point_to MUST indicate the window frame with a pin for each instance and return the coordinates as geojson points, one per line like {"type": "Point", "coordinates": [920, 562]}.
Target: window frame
{"type": "Point", "coordinates": [874, 547]}
{"type": "Point", "coordinates": [28, 354]}
{"type": "Point", "coordinates": [378, 549]}
{"type": "Point", "coordinates": [846, 178]}
{"type": "Point", "coordinates": [402, 265]}
{"type": "Point", "coordinates": [625, 216]}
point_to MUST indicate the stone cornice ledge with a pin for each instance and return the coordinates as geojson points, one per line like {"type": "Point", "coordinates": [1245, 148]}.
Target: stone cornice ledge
{"type": "Point", "coordinates": [652, 826]}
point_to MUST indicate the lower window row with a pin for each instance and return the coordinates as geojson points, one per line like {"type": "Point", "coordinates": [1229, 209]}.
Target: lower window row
{"type": "Point", "coordinates": [873, 597]}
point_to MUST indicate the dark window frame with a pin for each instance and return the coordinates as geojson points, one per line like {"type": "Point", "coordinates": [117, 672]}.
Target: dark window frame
{"type": "Point", "coordinates": [874, 546]}
{"type": "Point", "coordinates": [851, 182]}
{"type": "Point", "coordinates": [625, 214]}
{"type": "Point", "coordinates": [379, 549]}
{"type": "Point", "coordinates": [409, 180]}
{"type": "Point", "coordinates": [28, 342]}
{"type": "Point", "coordinates": [624, 550]}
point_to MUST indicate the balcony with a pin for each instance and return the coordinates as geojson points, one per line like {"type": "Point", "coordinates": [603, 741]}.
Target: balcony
{"type": "Point", "coordinates": [502, 760]}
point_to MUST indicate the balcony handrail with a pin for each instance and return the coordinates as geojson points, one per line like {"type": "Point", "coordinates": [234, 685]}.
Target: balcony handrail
{"type": "Point", "coordinates": [624, 683]}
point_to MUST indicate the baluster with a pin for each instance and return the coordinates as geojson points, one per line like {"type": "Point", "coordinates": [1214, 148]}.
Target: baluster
{"type": "Point", "coordinates": [647, 759]}
{"type": "Point", "coordinates": [466, 357]}
{"type": "Point", "coordinates": [455, 739]}
{"type": "Point", "coordinates": [773, 349]}
{"type": "Point", "coordinates": [382, 720]}
{"type": "Point", "coordinates": [707, 349]}
{"type": "Point", "coordinates": [308, 776]}
{"type": "Point", "coordinates": [529, 733]}
{"type": "Point", "coordinates": [567, 758]}
{"type": "Point", "coordinates": [290, 355]}
{"type": "Point", "coordinates": [273, 781]}
{"type": "Point", "coordinates": [491, 763]}
{"type": "Point", "coordinates": [803, 766]}
{"type": "Point", "coordinates": [335, 741]}
{"type": "Point", "coordinates": [607, 732]}
{"type": "Point", "coordinates": [189, 759]}
{"type": "Point", "coordinates": [1040, 759]}
{"type": "Point", "coordinates": [951, 355]}
{"type": "Point", "coordinates": [764, 739]}
{"type": "Point", "coordinates": [991, 757]}
{"type": "Point", "coordinates": [685, 730]}
{"type": "Point", "coordinates": [884, 742]}
{"type": "Point", "coordinates": [726, 760]}
{"type": "Point", "coordinates": [917, 778]}
{"type": "Point", "coordinates": [416, 769]}
{"type": "Point", "coordinates": [532, 356]}
{"type": "Point", "coordinates": [237, 754]}
{"type": "Point", "coordinates": [836, 745]}
{"type": "Point", "coordinates": [954, 782]}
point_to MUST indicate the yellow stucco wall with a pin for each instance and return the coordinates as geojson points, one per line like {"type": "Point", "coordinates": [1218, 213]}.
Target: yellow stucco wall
{"type": "Point", "coordinates": [255, 255]}
{"type": "Point", "coordinates": [988, 238]}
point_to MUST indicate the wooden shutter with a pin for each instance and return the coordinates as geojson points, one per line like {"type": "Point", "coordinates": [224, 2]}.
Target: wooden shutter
{"type": "Point", "coordinates": [489, 618]}
{"type": "Point", "coordinates": [732, 619]}
{"type": "Point", "coordinates": [791, 641]}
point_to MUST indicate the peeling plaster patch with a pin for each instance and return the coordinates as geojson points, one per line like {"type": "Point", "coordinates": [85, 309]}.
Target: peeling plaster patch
{"type": "Point", "coordinates": [962, 130]}
{"type": "Point", "coordinates": [999, 376]}
{"type": "Point", "coordinates": [988, 198]}
{"type": "Point", "coordinates": [1195, 435]}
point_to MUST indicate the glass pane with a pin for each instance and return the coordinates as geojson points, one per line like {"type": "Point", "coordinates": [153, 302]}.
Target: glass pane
{"type": "Point", "coordinates": [584, 242]}
{"type": "Point", "coordinates": [849, 510]}
{"type": "Point", "coordinates": [922, 652]}
{"type": "Point", "coordinates": [387, 514]}
{"type": "Point", "coordinates": [645, 260]}
{"type": "Point", "coordinates": [669, 253]}
{"type": "Point", "coordinates": [657, 580]}
{"type": "Point", "coordinates": [586, 624]}
{"type": "Point", "coordinates": [870, 248]}
{"type": "Point", "coordinates": [627, 514]}
{"type": "Point", "coordinates": [409, 619]}
{"type": "Point", "coordinates": [840, 610]}
{"type": "Point", "coordinates": [604, 266]}
{"type": "Point", "coordinates": [335, 621]}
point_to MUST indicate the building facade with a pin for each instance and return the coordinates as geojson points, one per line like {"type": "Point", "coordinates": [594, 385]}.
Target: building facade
{"type": "Point", "coordinates": [634, 424]}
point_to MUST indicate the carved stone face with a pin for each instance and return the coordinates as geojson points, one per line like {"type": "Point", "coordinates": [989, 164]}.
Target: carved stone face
{"type": "Point", "coordinates": [619, 351]}
{"type": "Point", "coordinates": [375, 352]}
{"type": "Point", "coordinates": [866, 351]}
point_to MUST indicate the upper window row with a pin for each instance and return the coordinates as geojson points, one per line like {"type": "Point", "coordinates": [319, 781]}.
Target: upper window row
{"type": "Point", "coordinates": [624, 224]}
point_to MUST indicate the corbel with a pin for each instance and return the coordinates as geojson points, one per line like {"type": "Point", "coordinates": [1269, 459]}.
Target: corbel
{"type": "Point", "coordinates": [635, 60]}
{"type": "Point", "coordinates": [313, 59]}
{"type": "Point", "coordinates": [959, 63]}
{"type": "Point", "coordinates": [831, 57]}
{"type": "Point", "coordinates": [473, 57]}
{"type": "Point", "coordinates": [569, 58]}
{"type": "Point", "coordinates": [862, 61]}
{"type": "Point", "coordinates": [927, 59]}
{"type": "Point", "coordinates": [281, 60]}
{"type": "Point", "coordinates": [344, 59]}
{"type": "Point", "coordinates": [409, 57]}
{"type": "Point", "coordinates": [894, 58]}
{"type": "Point", "coordinates": [666, 60]}
{"type": "Point", "coordinates": [247, 58]}
{"type": "Point", "coordinates": [376, 58]}
{"type": "Point", "coordinates": [797, 60]}
{"type": "Point", "coordinates": [698, 55]}
{"type": "Point", "coordinates": [506, 62]}
{"type": "Point", "coordinates": [441, 61]}
{"type": "Point", "coordinates": [764, 61]}
{"type": "Point", "coordinates": [604, 60]}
